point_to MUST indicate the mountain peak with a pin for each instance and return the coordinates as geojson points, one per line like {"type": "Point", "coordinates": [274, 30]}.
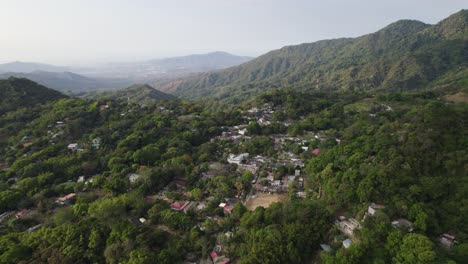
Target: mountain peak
{"type": "Point", "coordinates": [404, 27]}
{"type": "Point", "coordinates": [454, 26]}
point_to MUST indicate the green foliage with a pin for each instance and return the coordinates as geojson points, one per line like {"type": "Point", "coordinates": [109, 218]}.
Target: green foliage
{"type": "Point", "coordinates": [415, 249]}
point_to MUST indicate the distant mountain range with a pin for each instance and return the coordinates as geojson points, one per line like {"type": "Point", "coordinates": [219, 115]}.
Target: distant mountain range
{"type": "Point", "coordinates": [26, 67]}
{"type": "Point", "coordinates": [138, 93]}
{"type": "Point", "coordinates": [201, 62]}
{"type": "Point", "coordinates": [69, 82]}
{"type": "Point", "coordinates": [405, 55]}
{"type": "Point", "coordinates": [18, 92]}
{"type": "Point", "coordinates": [118, 75]}
{"type": "Point", "coordinates": [167, 68]}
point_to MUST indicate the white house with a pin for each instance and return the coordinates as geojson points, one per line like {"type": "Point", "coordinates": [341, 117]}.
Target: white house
{"type": "Point", "coordinates": [374, 207]}
{"type": "Point", "coordinates": [133, 177]}
{"type": "Point", "coordinates": [237, 159]}
{"type": "Point", "coordinates": [403, 223]}
{"type": "Point", "coordinates": [75, 147]}
{"type": "Point", "coordinates": [96, 142]}
{"type": "Point", "coordinates": [348, 226]}
{"type": "Point", "coordinates": [347, 243]}
{"type": "Point", "coordinates": [242, 131]}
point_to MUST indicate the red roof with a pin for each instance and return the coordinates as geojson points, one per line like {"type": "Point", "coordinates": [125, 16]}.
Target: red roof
{"type": "Point", "coordinates": [69, 196]}
{"type": "Point", "coordinates": [224, 261]}
{"type": "Point", "coordinates": [259, 187]}
{"type": "Point", "coordinates": [21, 213]}
{"type": "Point", "coordinates": [149, 199]}
{"type": "Point", "coordinates": [316, 152]}
{"type": "Point", "coordinates": [180, 182]}
{"type": "Point", "coordinates": [228, 209]}
{"type": "Point", "coordinates": [179, 206]}
{"type": "Point", "coordinates": [214, 254]}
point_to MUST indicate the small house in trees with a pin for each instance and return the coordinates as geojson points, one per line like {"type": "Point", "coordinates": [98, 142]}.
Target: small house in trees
{"type": "Point", "coordinates": [96, 143]}
{"type": "Point", "coordinates": [228, 209]}
{"type": "Point", "coordinates": [73, 147]}
{"type": "Point", "coordinates": [403, 223]}
{"type": "Point", "coordinates": [216, 252]}
{"type": "Point", "coordinates": [222, 260]}
{"type": "Point", "coordinates": [22, 213]}
{"type": "Point", "coordinates": [373, 207]}
{"type": "Point", "coordinates": [326, 247]}
{"type": "Point", "coordinates": [447, 240]}
{"type": "Point", "coordinates": [65, 199]}
{"type": "Point", "coordinates": [182, 206]}
{"type": "Point", "coordinates": [316, 152]}
{"type": "Point", "coordinates": [133, 177]}
{"type": "Point", "coordinates": [237, 159]}
{"type": "Point", "coordinates": [103, 106]}
{"type": "Point", "coordinates": [347, 243]}
{"type": "Point", "coordinates": [34, 228]}
{"type": "Point", "coordinates": [180, 183]}
{"type": "Point", "coordinates": [347, 226]}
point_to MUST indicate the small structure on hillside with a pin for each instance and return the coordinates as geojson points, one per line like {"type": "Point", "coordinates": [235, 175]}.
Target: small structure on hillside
{"type": "Point", "coordinates": [228, 209]}
{"type": "Point", "coordinates": [347, 226]}
{"type": "Point", "coordinates": [133, 177]}
{"type": "Point", "coordinates": [237, 159]}
{"type": "Point", "coordinates": [403, 223]}
{"type": "Point", "coordinates": [75, 147]}
{"type": "Point", "coordinates": [65, 199]}
{"type": "Point", "coordinates": [316, 152]}
{"type": "Point", "coordinates": [182, 206]}
{"type": "Point", "coordinates": [347, 243]}
{"type": "Point", "coordinates": [96, 143]}
{"type": "Point", "coordinates": [447, 240]}
{"type": "Point", "coordinates": [22, 213]}
{"type": "Point", "coordinates": [326, 247]}
{"type": "Point", "coordinates": [373, 207]}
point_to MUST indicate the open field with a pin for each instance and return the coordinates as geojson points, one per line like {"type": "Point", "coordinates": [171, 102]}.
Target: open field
{"type": "Point", "coordinates": [265, 199]}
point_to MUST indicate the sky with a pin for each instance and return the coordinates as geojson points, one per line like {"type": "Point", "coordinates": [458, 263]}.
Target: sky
{"type": "Point", "coordinates": [79, 32]}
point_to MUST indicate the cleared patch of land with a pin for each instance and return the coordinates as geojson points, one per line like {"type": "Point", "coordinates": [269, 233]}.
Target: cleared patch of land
{"type": "Point", "coordinates": [265, 199]}
{"type": "Point", "coordinates": [457, 98]}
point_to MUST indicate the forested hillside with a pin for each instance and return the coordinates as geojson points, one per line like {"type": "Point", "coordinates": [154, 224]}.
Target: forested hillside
{"type": "Point", "coordinates": [17, 92]}
{"type": "Point", "coordinates": [107, 181]}
{"type": "Point", "coordinates": [405, 55]}
{"type": "Point", "coordinates": [138, 93]}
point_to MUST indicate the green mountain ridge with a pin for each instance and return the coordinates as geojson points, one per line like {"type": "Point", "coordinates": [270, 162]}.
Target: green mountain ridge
{"type": "Point", "coordinates": [405, 55]}
{"type": "Point", "coordinates": [138, 93]}
{"type": "Point", "coordinates": [20, 92]}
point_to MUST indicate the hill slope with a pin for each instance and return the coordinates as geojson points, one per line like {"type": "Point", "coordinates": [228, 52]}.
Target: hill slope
{"type": "Point", "coordinates": [138, 93]}
{"type": "Point", "coordinates": [405, 55]}
{"type": "Point", "coordinates": [19, 92]}
{"type": "Point", "coordinates": [68, 81]}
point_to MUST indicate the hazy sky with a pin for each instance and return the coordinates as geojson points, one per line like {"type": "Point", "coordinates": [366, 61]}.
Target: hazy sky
{"type": "Point", "coordinates": [90, 31]}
